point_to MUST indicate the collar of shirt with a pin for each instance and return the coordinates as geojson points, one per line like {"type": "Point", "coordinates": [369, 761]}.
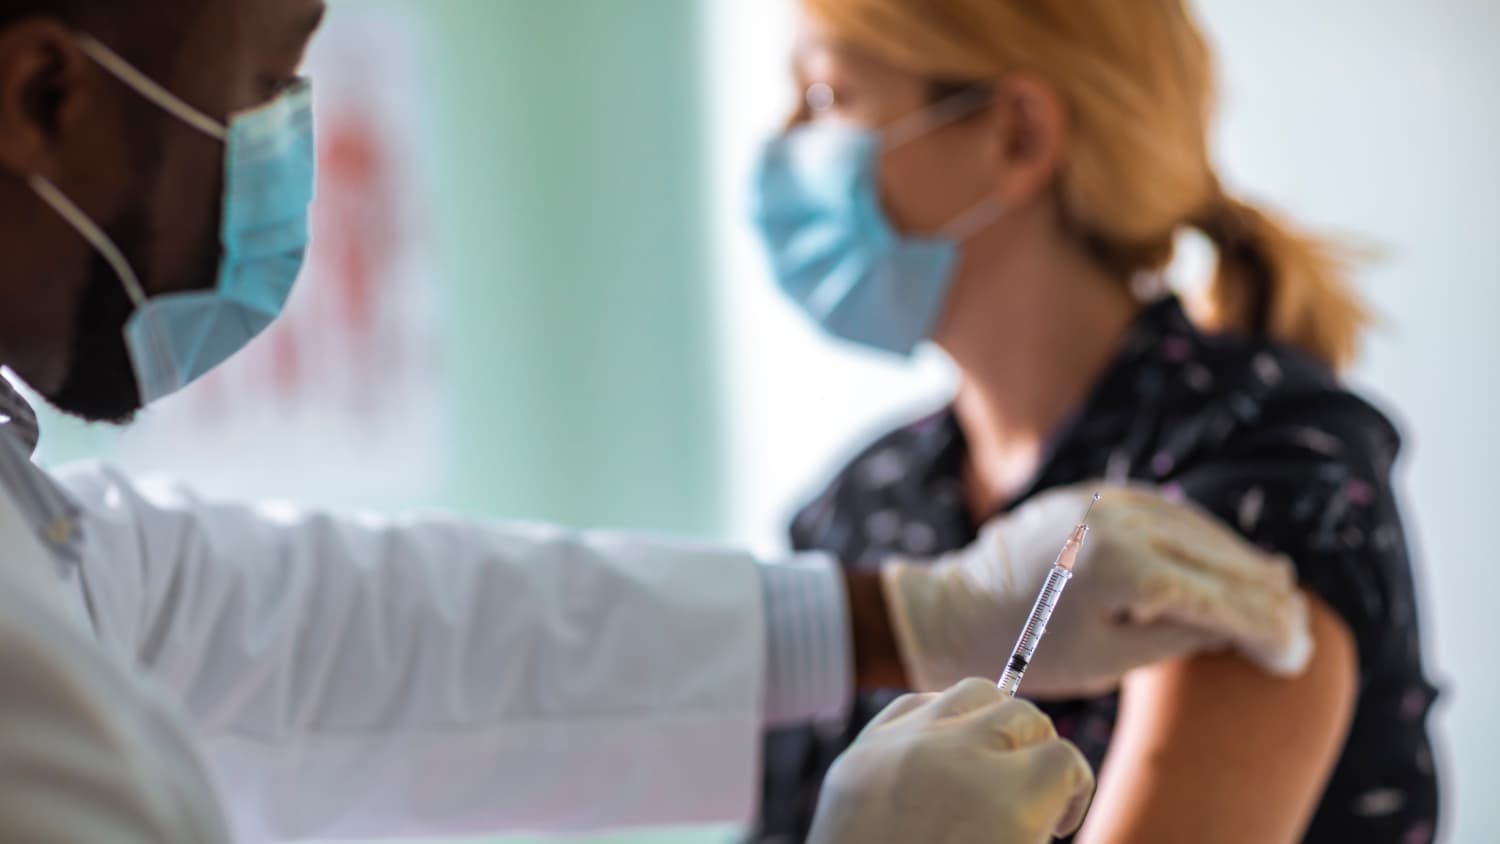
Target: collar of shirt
{"type": "Point", "coordinates": [17, 417]}
{"type": "Point", "coordinates": [42, 502]}
{"type": "Point", "coordinates": [1111, 412]}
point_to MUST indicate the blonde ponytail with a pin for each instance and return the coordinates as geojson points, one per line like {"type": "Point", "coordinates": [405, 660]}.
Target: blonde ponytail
{"type": "Point", "coordinates": [1277, 281]}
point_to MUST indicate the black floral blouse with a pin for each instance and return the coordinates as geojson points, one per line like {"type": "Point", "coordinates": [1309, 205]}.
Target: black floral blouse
{"type": "Point", "coordinates": [1263, 437]}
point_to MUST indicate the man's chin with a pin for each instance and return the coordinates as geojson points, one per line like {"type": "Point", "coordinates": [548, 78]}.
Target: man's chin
{"type": "Point", "coordinates": [109, 401]}
{"type": "Point", "coordinates": [100, 385]}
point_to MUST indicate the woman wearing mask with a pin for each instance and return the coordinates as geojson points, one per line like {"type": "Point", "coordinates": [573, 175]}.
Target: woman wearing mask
{"type": "Point", "coordinates": [1006, 179]}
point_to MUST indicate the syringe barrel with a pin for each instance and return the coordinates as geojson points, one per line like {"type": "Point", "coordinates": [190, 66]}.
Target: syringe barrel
{"type": "Point", "coordinates": [1036, 627]}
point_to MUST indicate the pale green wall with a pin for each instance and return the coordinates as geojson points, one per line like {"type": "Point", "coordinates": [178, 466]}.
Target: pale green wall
{"type": "Point", "coordinates": [573, 214]}
{"type": "Point", "coordinates": [572, 220]}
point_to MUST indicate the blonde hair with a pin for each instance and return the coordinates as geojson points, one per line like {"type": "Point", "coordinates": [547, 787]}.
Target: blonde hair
{"type": "Point", "coordinates": [1138, 81]}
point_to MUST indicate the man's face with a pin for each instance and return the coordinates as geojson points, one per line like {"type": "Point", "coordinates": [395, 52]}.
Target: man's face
{"type": "Point", "coordinates": [153, 183]}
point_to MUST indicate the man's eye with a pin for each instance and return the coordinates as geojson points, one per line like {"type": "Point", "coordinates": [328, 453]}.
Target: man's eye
{"type": "Point", "coordinates": [276, 86]}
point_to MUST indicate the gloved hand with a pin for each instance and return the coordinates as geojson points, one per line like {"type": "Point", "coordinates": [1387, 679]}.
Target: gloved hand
{"type": "Point", "coordinates": [1155, 581]}
{"type": "Point", "coordinates": [968, 766]}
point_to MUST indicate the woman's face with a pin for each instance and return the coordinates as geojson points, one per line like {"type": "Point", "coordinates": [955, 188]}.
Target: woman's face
{"type": "Point", "coordinates": [973, 162]}
{"type": "Point", "coordinates": [930, 179]}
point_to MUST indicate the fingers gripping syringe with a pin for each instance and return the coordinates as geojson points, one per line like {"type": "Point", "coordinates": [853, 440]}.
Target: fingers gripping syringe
{"type": "Point", "coordinates": [1041, 612]}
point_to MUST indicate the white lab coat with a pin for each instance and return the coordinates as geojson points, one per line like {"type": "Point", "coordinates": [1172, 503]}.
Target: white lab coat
{"type": "Point", "coordinates": [87, 751]}
{"type": "Point", "coordinates": [348, 676]}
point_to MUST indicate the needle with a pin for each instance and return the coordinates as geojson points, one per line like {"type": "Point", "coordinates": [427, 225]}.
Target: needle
{"type": "Point", "coordinates": [1090, 509]}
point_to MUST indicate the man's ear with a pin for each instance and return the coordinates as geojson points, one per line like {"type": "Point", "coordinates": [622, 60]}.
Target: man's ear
{"type": "Point", "coordinates": [46, 84]}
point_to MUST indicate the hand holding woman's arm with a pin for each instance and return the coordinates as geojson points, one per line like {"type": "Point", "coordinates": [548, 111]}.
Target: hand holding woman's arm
{"type": "Point", "coordinates": [1156, 581]}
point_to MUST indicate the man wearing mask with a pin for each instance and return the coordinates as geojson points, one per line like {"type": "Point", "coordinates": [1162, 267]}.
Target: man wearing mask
{"type": "Point", "coordinates": [181, 670]}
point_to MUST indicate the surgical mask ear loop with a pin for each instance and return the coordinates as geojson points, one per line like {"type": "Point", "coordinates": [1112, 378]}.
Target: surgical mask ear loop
{"type": "Point", "coordinates": [947, 111]}
{"type": "Point", "coordinates": [91, 232]}
{"type": "Point", "coordinates": [144, 85]}
{"type": "Point", "coordinates": [147, 87]}
{"type": "Point", "coordinates": [975, 220]}
{"type": "Point", "coordinates": [101, 242]}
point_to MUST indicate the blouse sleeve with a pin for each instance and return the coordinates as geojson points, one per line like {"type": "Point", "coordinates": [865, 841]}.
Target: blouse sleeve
{"type": "Point", "coordinates": [1311, 479]}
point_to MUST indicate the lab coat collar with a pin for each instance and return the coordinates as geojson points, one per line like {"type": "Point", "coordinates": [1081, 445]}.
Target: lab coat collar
{"type": "Point", "coordinates": [42, 502]}
{"type": "Point", "coordinates": [16, 416]}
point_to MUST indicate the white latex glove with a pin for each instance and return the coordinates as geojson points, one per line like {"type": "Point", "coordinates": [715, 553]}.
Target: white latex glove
{"type": "Point", "coordinates": [1156, 581]}
{"type": "Point", "coordinates": [967, 767]}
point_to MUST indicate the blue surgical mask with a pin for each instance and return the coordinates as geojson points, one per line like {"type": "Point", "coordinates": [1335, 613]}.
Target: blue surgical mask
{"type": "Point", "coordinates": [832, 248]}
{"type": "Point", "coordinates": [176, 338]}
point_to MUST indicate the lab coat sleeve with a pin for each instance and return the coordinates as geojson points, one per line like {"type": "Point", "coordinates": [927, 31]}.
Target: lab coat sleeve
{"type": "Point", "coordinates": [351, 676]}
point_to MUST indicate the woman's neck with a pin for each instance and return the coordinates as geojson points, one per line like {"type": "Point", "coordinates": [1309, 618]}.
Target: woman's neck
{"type": "Point", "coordinates": [1029, 349]}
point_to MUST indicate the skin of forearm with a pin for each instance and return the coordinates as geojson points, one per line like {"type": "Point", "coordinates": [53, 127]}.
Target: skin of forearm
{"type": "Point", "coordinates": [877, 658]}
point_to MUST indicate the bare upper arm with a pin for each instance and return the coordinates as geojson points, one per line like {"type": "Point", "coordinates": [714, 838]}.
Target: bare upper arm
{"type": "Point", "coordinates": [1213, 749]}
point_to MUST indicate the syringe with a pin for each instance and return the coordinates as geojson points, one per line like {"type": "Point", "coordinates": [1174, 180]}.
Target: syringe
{"type": "Point", "coordinates": [1041, 613]}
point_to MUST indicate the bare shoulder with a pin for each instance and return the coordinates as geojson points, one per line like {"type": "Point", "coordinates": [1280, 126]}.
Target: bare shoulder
{"type": "Point", "coordinates": [1213, 748]}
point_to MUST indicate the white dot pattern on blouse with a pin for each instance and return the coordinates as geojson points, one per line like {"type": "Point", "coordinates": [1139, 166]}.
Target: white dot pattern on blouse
{"type": "Point", "coordinates": [1258, 435]}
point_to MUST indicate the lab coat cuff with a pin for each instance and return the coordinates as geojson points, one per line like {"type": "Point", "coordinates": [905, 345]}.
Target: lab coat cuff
{"type": "Point", "coordinates": [809, 655]}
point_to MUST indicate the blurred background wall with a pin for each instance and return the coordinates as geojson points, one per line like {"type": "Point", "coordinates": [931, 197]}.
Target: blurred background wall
{"type": "Point", "coordinates": [534, 295]}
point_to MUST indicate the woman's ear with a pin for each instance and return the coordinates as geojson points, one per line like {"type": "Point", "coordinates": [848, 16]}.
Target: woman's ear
{"type": "Point", "coordinates": [1031, 128]}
